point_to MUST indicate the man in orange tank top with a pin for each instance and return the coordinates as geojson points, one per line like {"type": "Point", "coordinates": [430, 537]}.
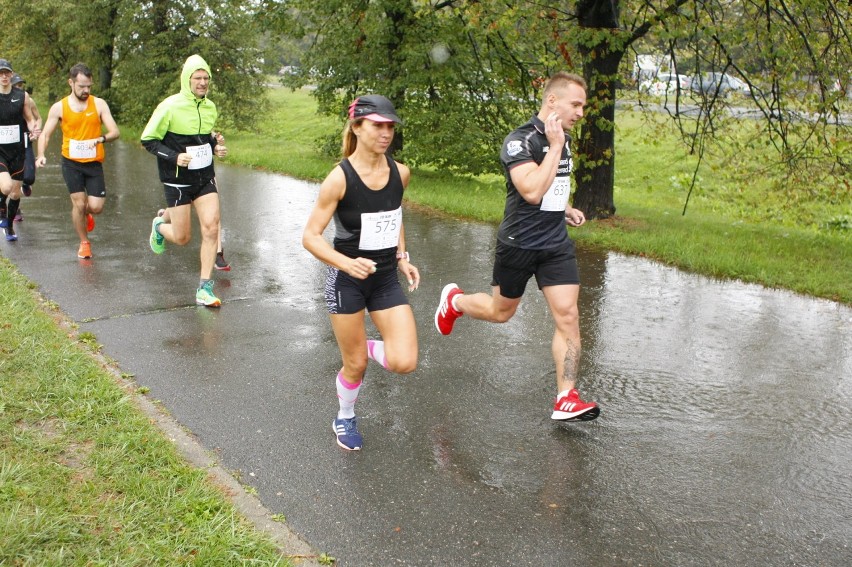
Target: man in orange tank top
{"type": "Point", "coordinates": [82, 118]}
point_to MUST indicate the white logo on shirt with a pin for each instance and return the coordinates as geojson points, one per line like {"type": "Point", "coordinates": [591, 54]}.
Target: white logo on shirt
{"type": "Point", "coordinates": [514, 147]}
{"type": "Point", "coordinates": [15, 99]}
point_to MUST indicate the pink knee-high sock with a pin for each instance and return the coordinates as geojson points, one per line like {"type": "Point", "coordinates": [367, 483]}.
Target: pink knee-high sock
{"type": "Point", "coordinates": [376, 351]}
{"type": "Point", "coordinates": [347, 394]}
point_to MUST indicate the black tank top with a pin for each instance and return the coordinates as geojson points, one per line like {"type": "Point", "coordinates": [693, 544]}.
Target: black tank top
{"type": "Point", "coordinates": [361, 199]}
{"type": "Point", "coordinates": [11, 114]}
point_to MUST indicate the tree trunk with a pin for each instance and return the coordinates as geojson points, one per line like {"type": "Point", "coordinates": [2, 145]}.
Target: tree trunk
{"type": "Point", "coordinates": [595, 171]}
{"type": "Point", "coordinates": [107, 51]}
{"type": "Point", "coordinates": [400, 15]}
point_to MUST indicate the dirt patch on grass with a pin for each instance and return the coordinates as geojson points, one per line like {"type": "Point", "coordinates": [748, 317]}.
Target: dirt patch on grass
{"type": "Point", "coordinates": [621, 223]}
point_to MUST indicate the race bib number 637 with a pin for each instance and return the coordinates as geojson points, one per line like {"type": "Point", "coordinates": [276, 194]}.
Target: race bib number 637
{"type": "Point", "coordinates": [556, 198]}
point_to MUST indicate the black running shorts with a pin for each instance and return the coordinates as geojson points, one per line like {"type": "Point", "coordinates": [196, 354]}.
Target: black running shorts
{"type": "Point", "coordinates": [345, 295]}
{"type": "Point", "coordinates": [513, 267]}
{"type": "Point", "coordinates": [14, 166]}
{"type": "Point", "coordinates": [176, 196]}
{"type": "Point", "coordinates": [88, 177]}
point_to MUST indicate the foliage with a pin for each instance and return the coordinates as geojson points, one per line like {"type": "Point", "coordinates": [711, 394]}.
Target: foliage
{"type": "Point", "coordinates": [136, 50]}
{"type": "Point", "coordinates": [444, 67]}
{"type": "Point", "coordinates": [463, 74]}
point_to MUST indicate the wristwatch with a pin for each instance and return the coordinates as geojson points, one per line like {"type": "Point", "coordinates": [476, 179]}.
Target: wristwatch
{"type": "Point", "coordinates": [403, 256]}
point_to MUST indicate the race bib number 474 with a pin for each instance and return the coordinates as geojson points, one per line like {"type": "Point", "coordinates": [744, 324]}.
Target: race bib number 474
{"type": "Point", "coordinates": [201, 156]}
{"type": "Point", "coordinates": [380, 230]}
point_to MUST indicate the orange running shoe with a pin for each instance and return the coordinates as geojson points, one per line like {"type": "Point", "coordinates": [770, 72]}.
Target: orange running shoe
{"type": "Point", "coordinates": [85, 250]}
{"type": "Point", "coordinates": [90, 222]}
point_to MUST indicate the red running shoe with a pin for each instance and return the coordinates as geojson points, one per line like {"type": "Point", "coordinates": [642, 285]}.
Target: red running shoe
{"type": "Point", "coordinates": [572, 408]}
{"type": "Point", "coordinates": [90, 222]}
{"type": "Point", "coordinates": [222, 264]}
{"type": "Point", "coordinates": [446, 314]}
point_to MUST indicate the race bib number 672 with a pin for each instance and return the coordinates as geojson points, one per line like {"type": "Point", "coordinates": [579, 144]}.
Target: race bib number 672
{"type": "Point", "coordinates": [10, 134]}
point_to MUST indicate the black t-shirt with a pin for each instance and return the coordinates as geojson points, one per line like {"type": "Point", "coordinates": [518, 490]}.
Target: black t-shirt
{"type": "Point", "coordinates": [360, 199]}
{"type": "Point", "coordinates": [531, 226]}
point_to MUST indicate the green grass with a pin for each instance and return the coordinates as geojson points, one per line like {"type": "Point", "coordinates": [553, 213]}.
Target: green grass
{"type": "Point", "coordinates": [740, 223]}
{"type": "Point", "coordinates": [85, 478]}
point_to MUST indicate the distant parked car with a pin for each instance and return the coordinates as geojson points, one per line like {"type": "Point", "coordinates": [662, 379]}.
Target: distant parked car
{"type": "Point", "coordinates": [682, 80]}
{"type": "Point", "coordinates": [710, 83]}
{"type": "Point", "coordinates": [665, 83]}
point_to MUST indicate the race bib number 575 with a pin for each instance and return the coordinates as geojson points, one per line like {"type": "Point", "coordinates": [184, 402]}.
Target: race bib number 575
{"type": "Point", "coordinates": [380, 230]}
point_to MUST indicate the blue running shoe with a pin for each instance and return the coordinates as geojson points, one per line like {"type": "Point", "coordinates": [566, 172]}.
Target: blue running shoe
{"type": "Point", "coordinates": [4, 222]}
{"type": "Point", "coordinates": [347, 434]}
{"type": "Point", "coordinates": [10, 233]}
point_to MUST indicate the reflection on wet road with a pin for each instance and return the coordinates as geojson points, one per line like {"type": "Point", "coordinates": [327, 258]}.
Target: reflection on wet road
{"type": "Point", "coordinates": [724, 437]}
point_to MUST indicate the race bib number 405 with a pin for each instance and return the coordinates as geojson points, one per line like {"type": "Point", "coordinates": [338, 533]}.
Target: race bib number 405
{"type": "Point", "coordinates": [380, 230]}
{"type": "Point", "coordinates": [556, 198]}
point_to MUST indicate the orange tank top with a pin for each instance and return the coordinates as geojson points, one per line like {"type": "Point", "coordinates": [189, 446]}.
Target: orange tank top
{"type": "Point", "coordinates": [77, 126]}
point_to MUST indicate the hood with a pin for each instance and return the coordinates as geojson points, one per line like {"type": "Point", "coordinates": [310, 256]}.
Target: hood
{"type": "Point", "coordinates": [193, 64]}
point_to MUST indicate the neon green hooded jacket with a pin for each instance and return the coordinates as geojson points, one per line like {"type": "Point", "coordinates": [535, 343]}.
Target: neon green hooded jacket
{"type": "Point", "coordinates": [180, 121]}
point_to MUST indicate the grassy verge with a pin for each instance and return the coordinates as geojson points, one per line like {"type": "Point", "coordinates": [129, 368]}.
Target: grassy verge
{"type": "Point", "coordinates": [737, 224]}
{"type": "Point", "coordinates": [85, 478]}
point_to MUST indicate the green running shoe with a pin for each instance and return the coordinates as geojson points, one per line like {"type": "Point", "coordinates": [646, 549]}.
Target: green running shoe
{"type": "Point", "coordinates": [204, 296]}
{"type": "Point", "coordinates": [157, 240]}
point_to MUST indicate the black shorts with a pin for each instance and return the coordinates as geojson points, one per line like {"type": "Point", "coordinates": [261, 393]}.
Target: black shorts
{"type": "Point", "coordinates": [513, 267]}
{"type": "Point", "coordinates": [14, 165]}
{"type": "Point", "coordinates": [88, 177]}
{"type": "Point", "coordinates": [176, 196]}
{"type": "Point", "coordinates": [345, 295]}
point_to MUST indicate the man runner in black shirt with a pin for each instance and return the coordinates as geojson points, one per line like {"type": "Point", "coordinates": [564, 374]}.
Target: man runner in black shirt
{"type": "Point", "coordinates": [532, 240]}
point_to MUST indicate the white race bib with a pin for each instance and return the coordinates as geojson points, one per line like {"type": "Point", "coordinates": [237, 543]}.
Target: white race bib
{"type": "Point", "coordinates": [81, 150]}
{"type": "Point", "coordinates": [556, 198]}
{"type": "Point", "coordinates": [10, 134]}
{"type": "Point", "coordinates": [380, 230]}
{"type": "Point", "coordinates": [202, 156]}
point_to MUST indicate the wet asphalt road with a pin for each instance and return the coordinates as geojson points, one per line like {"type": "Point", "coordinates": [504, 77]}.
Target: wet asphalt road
{"type": "Point", "coordinates": [724, 438]}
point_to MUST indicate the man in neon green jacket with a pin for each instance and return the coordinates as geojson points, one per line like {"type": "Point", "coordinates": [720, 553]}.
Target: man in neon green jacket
{"type": "Point", "coordinates": [180, 133]}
